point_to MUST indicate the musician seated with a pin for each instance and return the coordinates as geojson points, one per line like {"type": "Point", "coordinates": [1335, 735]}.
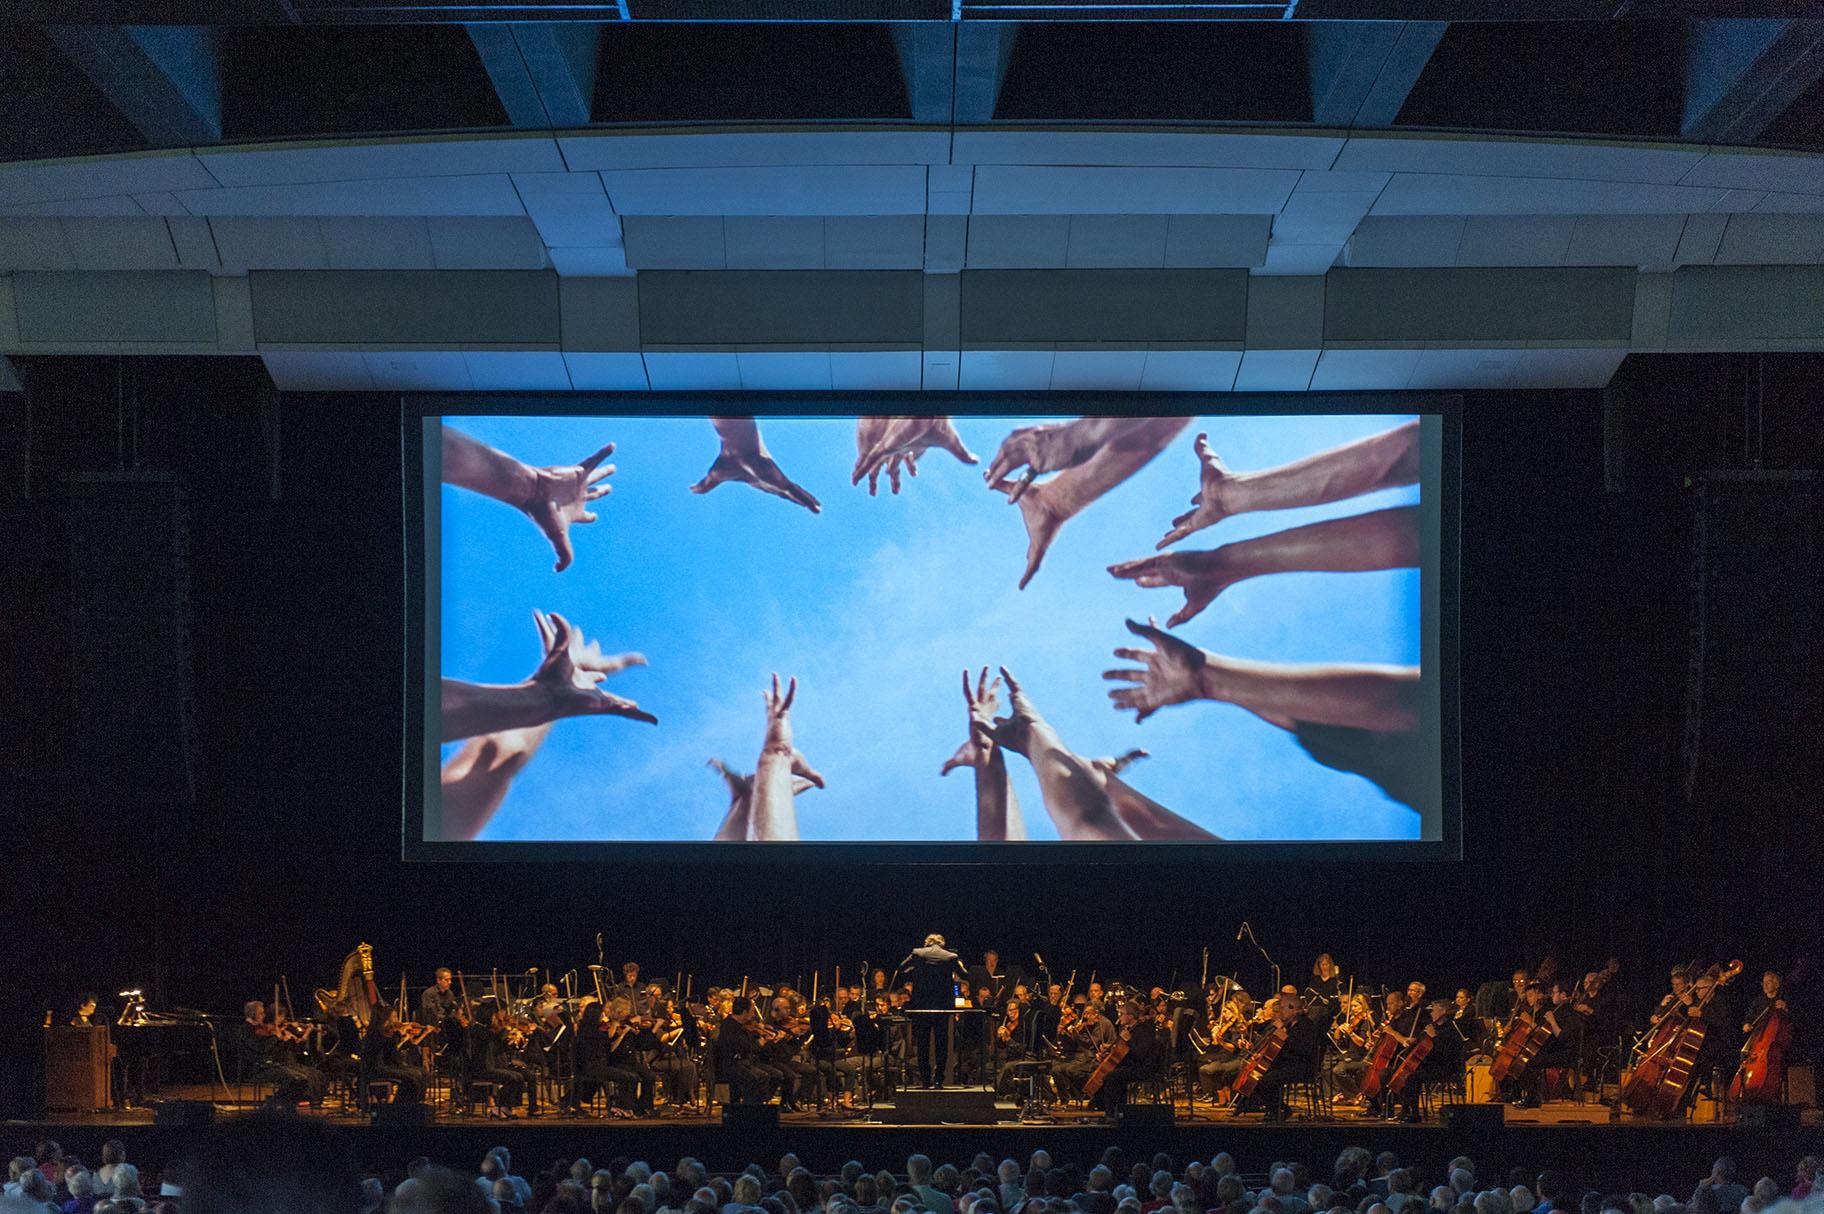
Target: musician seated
{"type": "Point", "coordinates": [385, 1057]}
{"type": "Point", "coordinates": [1561, 1051]}
{"type": "Point", "coordinates": [1227, 1052]}
{"type": "Point", "coordinates": [273, 1061]}
{"type": "Point", "coordinates": [1443, 1061]}
{"type": "Point", "coordinates": [1298, 1059]}
{"type": "Point", "coordinates": [1146, 1054]}
{"type": "Point", "coordinates": [1091, 1033]}
{"type": "Point", "coordinates": [736, 1053]}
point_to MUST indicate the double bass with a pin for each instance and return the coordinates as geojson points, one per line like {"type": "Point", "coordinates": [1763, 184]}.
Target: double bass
{"type": "Point", "coordinates": [1763, 1066]}
{"type": "Point", "coordinates": [1663, 1093]}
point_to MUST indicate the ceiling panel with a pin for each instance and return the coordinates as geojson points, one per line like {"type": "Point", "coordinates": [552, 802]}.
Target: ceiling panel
{"type": "Point", "coordinates": [491, 194]}
{"type": "Point", "coordinates": [318, 370]}
{"type": "Point", "coordinates": [674, 242]}
{"type": "Point", "coordinates": [1116, 240]}
{"type": "Point", "coordinates": [1349, 370]}
{"type": "Point", "coordinates": [1698, 241]}
{"type": "Point", "coordinates": [1190, 370]}
{"type": "Point", "coordinates": [377, 244]}
{"type": "Point", "coordinates": [1097, 370]}
{"type": "Point", "coordinates": [1020, 190]}
{"type": "Point", "coordinates": [874, 242]}
{"type": "Point", "coordinates": [939, 370]}
{"type": "Point", "coordinates": [773, 242]}
{"type": "Point", "coordinates": [876, 370]}
{"type": "Point", "coordinates": [1463, 368]}
{"type": "Point", "coordinates": [1005, 371]}
{"type": "Point", "coordinates": [1438, 194]}
{"type": "Point", "coordinates": [1624, 240]}
{"type": "Point", "coordinates": [1275, 370]}
{"type": "Point", "coordinates": [998, 242]}
{"type": "Point", "coordinates": [1772, 240]}
{"type": "Point", "coordinates": [419, 370]}
{"type": "Point", "coordinates": [569, 209]}
{"type": "Point", "coordinates": [160, 204]}
{"type": "Point", "coordinates": [1795, 172]}
{"type": "Point", "coordinates": [695, 371]}
{"type": "Point", "coordinates": [269, 243]}
{"type": "Point", "coordinates": [1405, 240]}
{"type": "Point", "coordinates": [606, 372]}
{"type": "Point", "coordinates": [1581, 160]}
{"type": "Point", "coordinates": [1206, 241]}
{"type": "Point", "coordinates": [34, 244]}
{"type": "Point", "coordinates": [135, 174]}
{"type": "Point", "coordinates": [517, 370]}
{"type": "Point", "coordinates": [1791, 202]}
{"type": "Point", "coordinates": [608, 262]}
{"type": "Point", "coordinates": [1148, 148]}
{"type": "Point", "coordinates": [784, 370]}
{"type": "Point", "coordinates": [485, 242]}
{"type": "Point", "coordinates": [120, 244]}
{"type": "Point", "coordinates": [119, 204]}
{"type": "Point", "coordinates": [634, 150]}
{"type": "Point", "coordinates": [291, 164]}
{"type": "Point", "coordinates": [194, 242]}
{"type": "Point", "coordinates": [1515, 240]}
{"type": "Point", "coordinates": [1321, 217]}
{"type": "Point", "coordinates": [814, 190]}
{"type": "Point", "coordinates": [1739, 200]}
{"type": "Point", "coordinates": [1566, 368]}
{"type": "Point", "coordinates": [1298, 260]}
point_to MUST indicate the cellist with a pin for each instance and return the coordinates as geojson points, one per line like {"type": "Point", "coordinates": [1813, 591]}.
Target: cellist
{"type": "Point", "coordinates": [1298, 1056]}
{"type": "Point", "coordinates": [1767, 1027]}
{"type": "Point", "coordinates": [1562, 1050]}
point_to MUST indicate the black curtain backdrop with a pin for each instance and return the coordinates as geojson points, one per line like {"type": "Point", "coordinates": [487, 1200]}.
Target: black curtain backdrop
{"type": "Point", "coordinates": [283, 850]}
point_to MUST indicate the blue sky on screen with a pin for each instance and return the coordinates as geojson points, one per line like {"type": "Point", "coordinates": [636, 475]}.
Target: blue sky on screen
{"type": "Point", "coordinates": [877, 605]}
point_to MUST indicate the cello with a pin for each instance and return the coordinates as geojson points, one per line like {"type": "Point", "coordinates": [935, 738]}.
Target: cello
{"type": "Point", "coordinates": [1763, 1066]}
{"type": "Point", "coordinates": [1110, 1060]}
{"type": "Point", "coordinates": [1668, 1094]}
{"type": "Point", "coordinates": [1521, 1044]}
{"type": "Point", "coordinates": [1258, 1062]}
{"type": "Point", "coordinates": [1416, 1053]}
{"type": "Point", "coordinates": [1381, 1058]}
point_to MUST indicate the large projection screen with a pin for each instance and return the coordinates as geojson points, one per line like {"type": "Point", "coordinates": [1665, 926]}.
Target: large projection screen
{"type": "Point", "coordinates": [1230, 625]}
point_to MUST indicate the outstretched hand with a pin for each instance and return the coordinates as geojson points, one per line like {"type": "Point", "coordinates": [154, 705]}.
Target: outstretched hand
{"type": "Point", "coordinates": [1052, 447]}
{"type": "Point", "coordinates": [1194, 571]}
{"type": "Point", "coordinates": [1173, 672]}
{"type": "Point", "coordinates": [891, 444]}
{"type": "Point", "coordinates": [1015, 730]}
{"type": "Point", "coordinates": [744, 458]}
{"type": "Point", "coordinates": [561, 495]}
{"type": "Point", "coordinates": [1207, 507]}
{"type": "Point", "coordinates": [572, 668]}
{"type": "Point", "coordinates": [982, 701]}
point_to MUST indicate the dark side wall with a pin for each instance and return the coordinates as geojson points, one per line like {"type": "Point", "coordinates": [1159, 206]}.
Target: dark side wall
{"type": "Point", "coordinates": [202, 862]}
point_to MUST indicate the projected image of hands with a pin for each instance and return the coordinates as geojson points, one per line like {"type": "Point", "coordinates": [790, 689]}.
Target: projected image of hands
{"type": "Point", "coordinates": [656, 664]}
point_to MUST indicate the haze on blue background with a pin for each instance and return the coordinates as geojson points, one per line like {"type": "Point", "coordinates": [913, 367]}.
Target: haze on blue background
{"type": "Point", "coordinates": [877, 605]}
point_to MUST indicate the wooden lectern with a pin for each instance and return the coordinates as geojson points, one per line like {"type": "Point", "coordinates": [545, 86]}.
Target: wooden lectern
{"type": "Point", "coordinates": [76, 1068]}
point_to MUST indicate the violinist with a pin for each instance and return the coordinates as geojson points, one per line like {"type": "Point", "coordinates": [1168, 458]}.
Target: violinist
{"type": "Point", "coordinates": [627, 1037]}
{"type": "Point", "coordinates": [1046, 1014]}
{"type": "Point", "coordinates": [677, 1040]}
{"type": "Point", "coordinates": [270, 1046]}
{"type": "Point", "coordinates": [437, 1006]}
{"type": "Point", "coordinates": [599, 1038]}
{"type": "Point", "coordinates": [872, 1039]}
{"type": "Point", "coordinates": [383, 1051]}
{"type": "Point", "coordinates": [782, 1040]}
{"type": "Point", "coordinates": [489, 1056]}
{"type": "Point", "coordinates": [1463, 1015]}
{"type": "Point", "coordinates": [1228, 1045]}
{"type": "Point", "coordinates": [1350, 1037]}
{"type": "Point", "coordinates": [832, 1053]}
{"type": "Point", "coordinates": [736, 1053]}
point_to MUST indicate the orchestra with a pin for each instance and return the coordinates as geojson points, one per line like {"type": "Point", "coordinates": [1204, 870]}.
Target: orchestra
{"type": "Point", "coordinates": [643, 1048]}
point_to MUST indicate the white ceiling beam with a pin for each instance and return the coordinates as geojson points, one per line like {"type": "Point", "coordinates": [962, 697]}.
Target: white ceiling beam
{"type": "Point", "coordinates": [1362, 72]}
{"type": "Point", "coordinates": [927, 59]}
{"type": "Point", "coordinates": [983, 50]}
{"type": "Point", "coordinates": [543, 71]}
{"type": "Point", "coordinates": [1741, 75]}
{"type": "Point", "coordinates": [164, 79]}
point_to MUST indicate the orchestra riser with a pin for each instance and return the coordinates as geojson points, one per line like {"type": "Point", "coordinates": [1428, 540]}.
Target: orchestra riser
{"type": "Point", "coordinates": [1651, 1157]}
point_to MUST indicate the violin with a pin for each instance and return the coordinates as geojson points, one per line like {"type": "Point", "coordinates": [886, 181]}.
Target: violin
{"type": "Point", "coordinates": [1009, 1023]}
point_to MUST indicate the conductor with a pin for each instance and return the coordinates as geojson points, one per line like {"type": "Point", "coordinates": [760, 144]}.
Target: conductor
{"type": "Point", "coordinates": [934, 972]}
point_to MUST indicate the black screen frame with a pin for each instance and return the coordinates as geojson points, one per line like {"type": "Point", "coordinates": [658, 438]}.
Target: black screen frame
{"type": "Point", "coordinates": [415, 408]}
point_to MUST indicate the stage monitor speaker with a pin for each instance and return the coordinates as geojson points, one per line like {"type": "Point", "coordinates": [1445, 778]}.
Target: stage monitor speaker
{"type": "Point", "coordinates": [1483, 1119]}
{"type": "Point", "coordinates": [752, 1118]}
{"type": "Point", "coordinates": [183, 1112]}
{"type": "Point", "coordinates": [402, 1116]}
{"type": "Point", "coordinates": [1144, 1116]}
{"type": "Point", "coordinates": [1801, 1085]}
{"type": "Point", "coordinates": [1782, 1117]}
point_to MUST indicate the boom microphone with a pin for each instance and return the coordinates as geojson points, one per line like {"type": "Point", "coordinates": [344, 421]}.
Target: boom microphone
{"type": "Point", "coordinates": [1039, 959]}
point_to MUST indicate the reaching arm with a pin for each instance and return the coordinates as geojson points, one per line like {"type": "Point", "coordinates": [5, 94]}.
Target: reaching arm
{"type": "Point", "coordinates": [997, 809]}
{"type": "Point", "coordinates": [744, 458]}
{"type": "Point", "coordinates": [553, 497]}
{"type": "Point", "coordinates": [1045, 508]}
{"type": "Point", "coordinates": [895, 443]}
{"type": "Point", "coordinates": [776, 776]}
{"type": "Point", "coordinates": [476, 779]}
{"type": "Point", "coordinates": [1380, 461]}
{"type": "Point", "coordinates": [564, 685]}
{"type": "Point", "coordinates": [1074, 792]}
{"type": "Point", "coordinates": [1360, 696]}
